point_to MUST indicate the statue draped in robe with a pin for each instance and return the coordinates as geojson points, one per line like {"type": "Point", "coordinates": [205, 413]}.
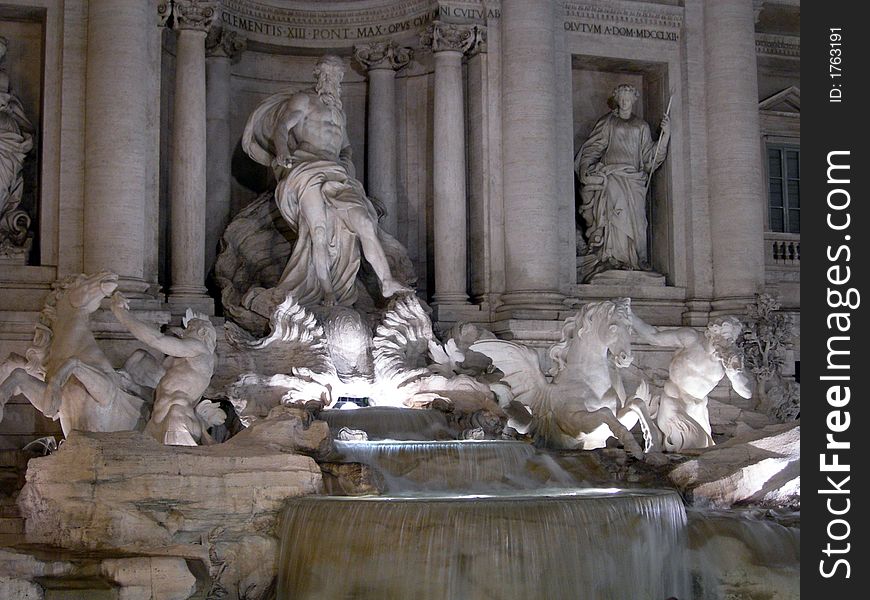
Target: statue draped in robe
{"type": "Point", "coordinates": [614, 165]}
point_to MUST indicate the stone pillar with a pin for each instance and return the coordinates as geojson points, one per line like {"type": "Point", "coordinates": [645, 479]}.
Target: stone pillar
{"type": "Point", "coordinates": [733, 154]}
{"type": "Point", "coordinates": [449, 43]}
{"type": "Point", "coordinates": [192, 19]}
{"type": "Point", "coordinates": [383, 60]}
{"type": "Point", "coordinates": [222, 48]}
{"type": "Point", "coordinates": [529, 157]}
{"type": "Point", "coordinates": [117, 139]}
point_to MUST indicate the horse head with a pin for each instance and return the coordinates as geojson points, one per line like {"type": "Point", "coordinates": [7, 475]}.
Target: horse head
{"type": "Point", "coordinates": [615, 330]}
{"type": "Point", "coordinates": [597, 328]}
{"type": "Point", "coordinates": [85, 292]}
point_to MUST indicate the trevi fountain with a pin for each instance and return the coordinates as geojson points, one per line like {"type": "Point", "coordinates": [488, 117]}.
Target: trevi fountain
{"type": "Point", "coordinates": [388, 300]}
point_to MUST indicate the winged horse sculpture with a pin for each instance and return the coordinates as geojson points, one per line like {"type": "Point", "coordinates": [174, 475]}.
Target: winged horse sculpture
{"type": "Point", "coordinates": [585, 403]}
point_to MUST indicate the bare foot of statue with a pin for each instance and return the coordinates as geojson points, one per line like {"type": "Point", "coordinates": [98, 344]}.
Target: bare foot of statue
{"type": "Point", "coordinates": [390, 287]}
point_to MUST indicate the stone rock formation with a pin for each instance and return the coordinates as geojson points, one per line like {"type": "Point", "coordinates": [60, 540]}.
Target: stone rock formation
{"type": "Point", "coordinates": [757, 467]}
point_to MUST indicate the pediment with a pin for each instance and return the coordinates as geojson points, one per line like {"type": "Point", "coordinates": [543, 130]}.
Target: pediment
{"type": "Point", "coordinates": [785, 101]}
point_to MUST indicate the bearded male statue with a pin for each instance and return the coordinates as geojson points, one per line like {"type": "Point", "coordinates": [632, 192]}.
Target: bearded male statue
{"type": "Point", "coordinates": [302, 136]}
{"type": "Point", "coordinates": [701, 361]}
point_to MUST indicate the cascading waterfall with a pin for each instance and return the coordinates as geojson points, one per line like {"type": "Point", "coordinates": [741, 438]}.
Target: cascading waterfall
{"type": "Point", "coordinates": [387, 422]}
{"type": "Point", "coordinates": [596, 544]}
{"type": "Point", "coordinates": [462, 520]}
{"type": "Point", "coordinates": [447, 466]}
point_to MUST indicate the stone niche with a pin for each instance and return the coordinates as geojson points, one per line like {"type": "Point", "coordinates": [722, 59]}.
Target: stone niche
{"type": "Point", "coordinates": [593, 79]}
{"type": "Point", "coordinates": [23, 28]}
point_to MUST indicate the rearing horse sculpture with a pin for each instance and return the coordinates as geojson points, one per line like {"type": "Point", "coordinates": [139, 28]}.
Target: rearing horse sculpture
{"type": "Point", "coordinates": [585, 403]}
{"type": "Point", "coordinates": [67, 376]}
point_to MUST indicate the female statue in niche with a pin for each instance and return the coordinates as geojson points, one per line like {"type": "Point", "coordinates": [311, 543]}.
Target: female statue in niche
{"type": "Point", "coordinates": [614, 166]}
{"type": "Point", "coordinates": [16, 140]}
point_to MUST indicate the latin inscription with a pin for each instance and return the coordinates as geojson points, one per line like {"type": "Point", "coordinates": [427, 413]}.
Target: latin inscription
{"type": "Point", "coordinates": [618, 31]}
{"type": "Point", "coordinates": [279, 30]}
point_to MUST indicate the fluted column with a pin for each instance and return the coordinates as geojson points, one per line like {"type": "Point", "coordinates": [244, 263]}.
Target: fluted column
{"type": "Point", "coordinates": [117, 139]}
{"type": "Point", "coordinates": [192, 19]}
{"type": "Point", "coordinates": [383, 60]}
{"type": "Point", "coordinates": [222, 48]}
{"type": "Point", "coordinates": [449, 43]}
{"type": "Point", "coordinates": [529, 157]}
{"type": "Point", "coordinates": [733, 154]}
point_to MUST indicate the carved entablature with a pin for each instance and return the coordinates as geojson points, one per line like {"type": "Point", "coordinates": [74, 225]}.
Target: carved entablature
{"type": "Point", "coordinates": [382, 55]}
{"type": "Point", "coordinates": [780, 46]}
{"type": "Point", "coordinates": [346, 24]}
{"type": "Point", "coordinates": [224, 43]}
{"type": "Point", "coordinates": [619, 19]}
{"type": "Point", "coordinates": [442, 37]}
{"type": "Point", "coordinates": [335, 25]}
{"type": "Point", "coordinates": [198, 15]}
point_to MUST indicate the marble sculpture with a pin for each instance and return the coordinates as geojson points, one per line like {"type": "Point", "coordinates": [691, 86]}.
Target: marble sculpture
{"type": "Point", "coordinates": [178, 418]}
{"type": "Point", "coordinates": [66, 375]}
{"type": "Point", "coordinates": [586, 402]}
{"type": "Point", "coordinates": [702, 359]}
{"type": "Point", "coordinates": [302, 136]}
{"type": "Point", "coordinates": [16, 140]}
{"type": "Point", "coordinates": [614, 166]}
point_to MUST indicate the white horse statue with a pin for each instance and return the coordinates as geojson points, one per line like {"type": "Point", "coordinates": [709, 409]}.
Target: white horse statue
{"type": "Point", "coordinates": [65, 375]}
{"type": "Point", "coordinates": [585, 403]}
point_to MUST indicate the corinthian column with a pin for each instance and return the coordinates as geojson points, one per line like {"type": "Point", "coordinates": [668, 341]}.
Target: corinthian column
{"type": "Point", "coordinates": [222, 48]}
{"type": "Point", "coordinates": [382, 59]}
{"type": "Point", "coordinates": [449, 43]}
{"type": "Point", "coordinates": [529, 157]}
{"type": "Point", "coordinates": [192, 19]}
{"type": "Point", "coordinates": [733, 155]}
{"type": "Point", "coordinates": [117, 139]}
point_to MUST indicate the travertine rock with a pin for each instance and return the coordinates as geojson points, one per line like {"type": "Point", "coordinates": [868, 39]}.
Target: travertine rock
{"type": "Point", "coordinates": [743, 556]}
{"type": "Point", "coordinates": [144, 578]}
{"type": "Point", "coordinates": [287, 429]}
{"type": "Point", "coordinates": [351, 479]}
{"type": "Point", "coordinates": [757, 467]}
{"type": "Point", "coordinates": [125, 491]}
{"type": "Point", "coordinates": [28, 577]}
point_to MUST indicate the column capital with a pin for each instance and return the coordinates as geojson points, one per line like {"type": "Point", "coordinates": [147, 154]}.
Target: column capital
{"type": "Point", "coordinates": [197, 15]}
{"type": "Point", "coordinates": [382, 55]}
{"type": "Point", "coordinates": [164, 11]}
{"type": "Point", "coordinates": [223, 43]}
{"type": "Point", "coordinates": [448, 36]}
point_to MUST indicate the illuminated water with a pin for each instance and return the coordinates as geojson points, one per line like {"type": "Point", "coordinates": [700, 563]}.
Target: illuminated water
{"type": "Point", "coordinates": [595, 543]}
{"type": "Point", "coordinates": [468, 520]}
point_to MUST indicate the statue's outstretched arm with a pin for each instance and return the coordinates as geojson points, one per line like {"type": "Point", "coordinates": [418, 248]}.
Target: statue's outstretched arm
{"type": "Point", "coordinates": [680, 337]}
{"type": "Point", "coordinates": [182, 348]}
{"type": "Point", "coordinates": [740, 382]}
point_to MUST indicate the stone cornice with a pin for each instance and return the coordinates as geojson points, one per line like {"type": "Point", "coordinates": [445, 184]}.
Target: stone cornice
{"type": "Point", "coordinates": [198, 15]}
{"type": "Point", "coordinates": [224, 43]}
{"type": "Point", "coordinates": [783, 46]}
{"type": "Point", "coordinates": [382, 55]}
{"type": "Point", "coordinates": [451, 37]}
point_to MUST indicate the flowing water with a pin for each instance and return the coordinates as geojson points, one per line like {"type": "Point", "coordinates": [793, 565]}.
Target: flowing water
{"type": "Point", "coordinates": [386, 422]}
{"type": "Point", "coordinates": [447, 466]}
{"type": "Point", "coordinates": [553, 544]}
{"type": "Point", "coordinates": [469, 520]}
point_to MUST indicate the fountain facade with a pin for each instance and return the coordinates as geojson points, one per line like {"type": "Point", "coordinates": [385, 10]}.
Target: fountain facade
{"type": "Point", "coordinates": [533, 433]}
